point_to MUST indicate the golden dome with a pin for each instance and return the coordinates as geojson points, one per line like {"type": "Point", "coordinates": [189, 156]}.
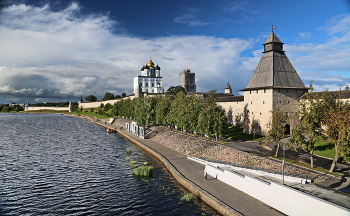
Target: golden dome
{"type": "Point", "coordinates": [150, 63]}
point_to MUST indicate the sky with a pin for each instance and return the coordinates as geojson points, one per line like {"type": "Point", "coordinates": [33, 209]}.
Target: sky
{"type": "Point", "coordinates": [54, 51]}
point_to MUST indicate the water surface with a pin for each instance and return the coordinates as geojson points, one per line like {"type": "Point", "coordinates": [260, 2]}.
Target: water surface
{"type": "Point", "coordinates": [52, 164]}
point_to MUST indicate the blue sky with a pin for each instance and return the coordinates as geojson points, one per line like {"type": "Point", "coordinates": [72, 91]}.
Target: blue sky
{"type": "Point", "coordinates": [61, 50]}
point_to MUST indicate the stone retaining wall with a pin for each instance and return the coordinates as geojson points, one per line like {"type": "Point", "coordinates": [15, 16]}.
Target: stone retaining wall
{"type": "Point", "coordinates": [201, 148]}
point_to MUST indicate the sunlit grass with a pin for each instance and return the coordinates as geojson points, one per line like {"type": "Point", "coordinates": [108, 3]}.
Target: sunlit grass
{"type": "Point", "coordinates": [91, 114]}
{"type": "Point", "coordinates": [320, 169]}
{"type": "Point", "coordinates": [236, 133]}
{"type": "Point", "coordinates": [324, 148]}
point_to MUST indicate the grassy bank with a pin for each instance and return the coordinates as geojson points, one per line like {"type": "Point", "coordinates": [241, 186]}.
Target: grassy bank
{"type": "Point", "coordinates": [99, 116]}
{"type": "Point", "coordinates": [320, 169]}
{"type": "Point", "coordinates": [236, 133]}
{"type": "Point", "coordinates": [324, 148]}
{"type": "Point", "coordinates": [45, 111]}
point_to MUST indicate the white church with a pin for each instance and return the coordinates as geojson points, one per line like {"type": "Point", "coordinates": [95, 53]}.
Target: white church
{"type": "Point", "coordinates": [150, 80]}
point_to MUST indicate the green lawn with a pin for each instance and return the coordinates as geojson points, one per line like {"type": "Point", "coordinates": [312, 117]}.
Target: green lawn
{"type": "Point", "coordinates": [324, 148]}
{"type": "Point", "coordinates": [320, 169]}
{"type": "Point", "coordinates": [45, 111]}
{"type": "Point", "coordinates": [92, 114]}
{"type": "Point", "coordinates": [236, 133]}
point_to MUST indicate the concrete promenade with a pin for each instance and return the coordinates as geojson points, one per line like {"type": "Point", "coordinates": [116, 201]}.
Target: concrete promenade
{"type": "Point", "coordinates": [223, 198]}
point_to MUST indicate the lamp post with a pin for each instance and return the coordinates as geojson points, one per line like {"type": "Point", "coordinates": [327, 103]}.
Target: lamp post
{"type": "Point", "coordinates": [284, 148]}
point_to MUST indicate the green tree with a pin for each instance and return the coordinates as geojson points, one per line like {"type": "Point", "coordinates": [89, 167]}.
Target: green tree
{"type": "Point", "coordinates": [174, 90]}
{"type": "Point", "coordinates": [117, 97]}
{"type": "Point", "coordinates": [337, 130]}
{"type": "Point", "coordinates": [123, 95]}
{"type": "Point", "coordinates": [108, 96]}
{"type": "Point", "coordinates": [163, 109]}
{"type": "Point", "coordinates": [276, 126]}
{"type": "Point", "coordinates": [91, 98]}
{"type": "Point", "coordinates": [312, 115]}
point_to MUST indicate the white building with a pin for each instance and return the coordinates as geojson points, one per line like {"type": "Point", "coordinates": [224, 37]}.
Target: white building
{"type": "Point", "coordinates": [150, 80]}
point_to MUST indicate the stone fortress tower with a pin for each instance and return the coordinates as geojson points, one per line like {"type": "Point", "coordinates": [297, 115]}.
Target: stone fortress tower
{"type": "Point", "coordinates": [275, 83]}
{"type": "Point", "coordinates": [149, 81]}
{"type": "Point", "coordinates": [188, 80]}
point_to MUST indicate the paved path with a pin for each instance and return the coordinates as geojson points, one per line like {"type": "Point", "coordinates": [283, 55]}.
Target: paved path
{"type": "Point", "coordinates": [340, 184]}
{"type": "Point", "coordinates": [193, 171]}
{"type": "Point", "coordinates": [237, 200]}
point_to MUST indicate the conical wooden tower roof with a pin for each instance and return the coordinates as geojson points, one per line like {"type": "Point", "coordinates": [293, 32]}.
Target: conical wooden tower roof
{"type": "Point", "coordinates": [274, 69]}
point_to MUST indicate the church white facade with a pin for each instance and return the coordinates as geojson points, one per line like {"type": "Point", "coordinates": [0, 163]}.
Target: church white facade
{"type": "Point", "coordinates": [149, 81]}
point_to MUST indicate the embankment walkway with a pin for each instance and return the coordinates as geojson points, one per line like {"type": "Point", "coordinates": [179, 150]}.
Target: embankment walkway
{"type": "Point", "coordinates": [223, 198]}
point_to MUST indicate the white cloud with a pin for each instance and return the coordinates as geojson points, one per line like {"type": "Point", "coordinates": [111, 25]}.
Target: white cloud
{"type": "Point", "coordinates": [305, 35]}
{"type": "Point", "coordinates": [63, 54]}
{"type": "Point", "coordinates": [51, 55]}
{"type": "Point", "coordinates": [190, 20]}
{"type": "Point", "coordinates": [191, 17]}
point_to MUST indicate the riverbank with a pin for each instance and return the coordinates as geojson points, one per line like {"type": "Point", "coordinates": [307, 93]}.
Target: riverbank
{"type": "Point", "coordinates": [223, 198]}
{"type": "Point", "coordinates": [172, 149]}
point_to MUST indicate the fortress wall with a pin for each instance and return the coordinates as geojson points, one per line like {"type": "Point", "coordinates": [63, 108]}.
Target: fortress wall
{"type": "Point", "coordinates": [46, 108]}
{"type": "Point", "coordinates": [235, 107]}
{"type": "Point", "coordinates": [98, 103]}
{"type": "Point", "coordinates": [259, 105]}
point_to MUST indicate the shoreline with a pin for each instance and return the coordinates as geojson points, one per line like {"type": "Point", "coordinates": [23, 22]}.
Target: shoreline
{"type": "Point", "coordinates": [220, 206]}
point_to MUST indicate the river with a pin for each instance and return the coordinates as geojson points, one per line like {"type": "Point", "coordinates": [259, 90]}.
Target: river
{"type": "Point", "coordinates": [53, 164]}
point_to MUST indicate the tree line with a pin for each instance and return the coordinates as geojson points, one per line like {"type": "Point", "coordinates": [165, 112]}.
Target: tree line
{"type": "Point", "coordinates": [107, 96]}
{"type": "Point", "coordinates": [176, 108]}
{"type": "Point", "coordinates": [11, 108]}
{"type": "Point", "coordinates": [320, 115]}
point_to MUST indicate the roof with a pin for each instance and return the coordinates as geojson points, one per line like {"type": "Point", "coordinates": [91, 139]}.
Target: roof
{"type": "Point", "coordinates": [273, 39]}
{"type": "Point", "coordinates": [274, 70]}
{"type": "Point", "coordinates": [230, 99]}
{"type": "Point", "coordinates": [341, 95]}
{"type": "Point", "coordinates": [228, 86]}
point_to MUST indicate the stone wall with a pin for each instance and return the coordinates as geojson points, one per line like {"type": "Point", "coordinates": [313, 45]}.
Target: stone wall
{"type": "Point", "coordinates": [192, 146]}
{"type": "Point", "coordinates": [46, 108]}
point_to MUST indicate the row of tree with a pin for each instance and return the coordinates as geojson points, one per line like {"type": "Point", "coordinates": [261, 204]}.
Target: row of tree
{"type": "Point", "coordinates": [320, 115]}
{"type": "Point", "coordinates": [107, 96]}
{"type": "Point", "coordinates": [11, 108]}
{"type": "Point", "coordinates": [187, 112]}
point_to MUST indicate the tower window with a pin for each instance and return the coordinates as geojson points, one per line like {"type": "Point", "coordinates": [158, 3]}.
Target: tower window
{"type": "Point", "coordinates": [260, 113]}
{"type": "Point", "coordinates": [257, 91]}
{"type": "Point", "coordinates": [263, 102]}
{"type": "Point", "coordinates": [251, 102]}
{"type": "Point", "coordinates": [152, 84]}
{"type": "Point", "coordinates": [264, 90]}
{"type": "Point", "coordinates": [141, 84]}
{"type": "Point", "coordinates": [250, 91]}
{"type": "Point", "coordinates": [146, 84]}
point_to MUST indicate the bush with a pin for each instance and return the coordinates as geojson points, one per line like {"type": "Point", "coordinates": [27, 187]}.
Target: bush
{"type": "Point", "coordinates": [189, 197]}
{"type": "Point", "coordinates": [145, 171]}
